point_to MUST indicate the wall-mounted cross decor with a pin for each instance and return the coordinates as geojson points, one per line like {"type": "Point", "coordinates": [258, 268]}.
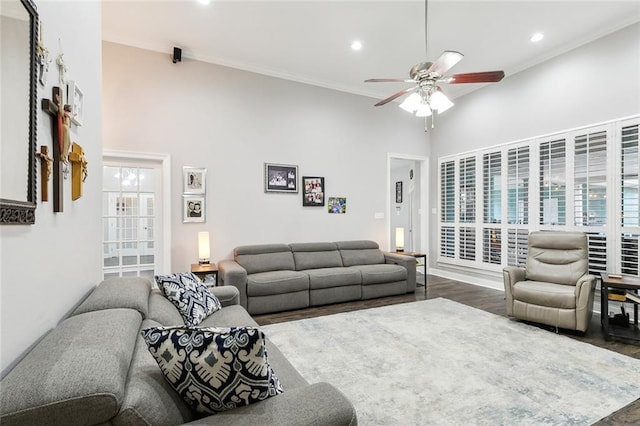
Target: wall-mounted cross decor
{"type": "Point", "coordinates": [55, 112]}
{"type": "Point", "coordinates": [45, 171]}
{"type": "Point", "coordinates": [79, 170]}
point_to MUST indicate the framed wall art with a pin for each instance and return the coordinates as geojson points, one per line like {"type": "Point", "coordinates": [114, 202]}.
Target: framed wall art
{"type": "Point", "coordinates": [337, 205]}
{"type": "Point", "coordinates": [75, 98]}
{"type": "Point", "coordinates": [280, 178]}
{"type": "Point", "coordinates": [313, 191]}
{"type": "Point", "coordinates": [195, 179]}
{"type": "Point", "coordinates": [399, 192]}
{"type": "Point", "coordinates": [193, 209]}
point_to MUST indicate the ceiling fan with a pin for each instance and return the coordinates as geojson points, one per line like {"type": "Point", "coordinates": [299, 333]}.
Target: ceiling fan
{"type": "Point", "coordinates": [426, 96]}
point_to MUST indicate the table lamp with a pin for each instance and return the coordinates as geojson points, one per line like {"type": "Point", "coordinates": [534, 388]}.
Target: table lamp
{"type": "Point", "coordinates": [399, 239]}
{"type": "Point", "coordinates": [204, 251]}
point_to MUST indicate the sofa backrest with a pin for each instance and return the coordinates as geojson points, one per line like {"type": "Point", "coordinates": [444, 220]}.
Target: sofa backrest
{"type": "Point", "coordinates": [76, 374]}
{"type": "Point", "coordinates": [557, 257]}
{"type": "Point", "coordinates": [264, 257]}
{"type": "Point", "coordinates": [315, 255]}
{"type": "Point", "coordinates": [360, 252]}
{"type": "Point", "coordinates": [123, 292]}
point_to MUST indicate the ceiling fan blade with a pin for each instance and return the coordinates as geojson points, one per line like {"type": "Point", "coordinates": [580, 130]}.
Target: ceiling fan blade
{"type": "Point", "coordinates": [396, 95]}
{"type": "Point", "coordinates": [445, 62]}
{"type": "Point", "coordinates": [388, 80]}
{"type": "Point", "coordinates": [475, 77]}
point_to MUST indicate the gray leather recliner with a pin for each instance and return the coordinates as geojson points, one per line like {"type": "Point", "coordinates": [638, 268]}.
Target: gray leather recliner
{"type": "Point", "coordinates": [555, 288]}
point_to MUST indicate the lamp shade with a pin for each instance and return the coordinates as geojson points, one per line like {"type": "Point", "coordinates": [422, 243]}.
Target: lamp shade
{"type": "Point", "coordinates": [399, 239]}
{"type": "Point", "coordinates": [440, 102]}
{"type": "Point", "coordinates": [204, 251]}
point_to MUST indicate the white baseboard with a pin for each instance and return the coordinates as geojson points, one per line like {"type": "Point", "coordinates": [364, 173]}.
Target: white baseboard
{"type": "Point", "coordinates": [488, 282]}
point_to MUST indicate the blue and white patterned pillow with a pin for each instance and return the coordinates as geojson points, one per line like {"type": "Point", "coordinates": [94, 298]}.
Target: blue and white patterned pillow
{"type": "Point", "coordinates": [190, 295]}
{"type": "Point", "coordinates": [214, 369]}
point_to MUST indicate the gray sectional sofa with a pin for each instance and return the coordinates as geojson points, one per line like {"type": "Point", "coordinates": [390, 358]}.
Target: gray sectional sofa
{"type": "Point", "coordinates": [94, 368]}
{"type": "Point", "coordinates": [281, 277]}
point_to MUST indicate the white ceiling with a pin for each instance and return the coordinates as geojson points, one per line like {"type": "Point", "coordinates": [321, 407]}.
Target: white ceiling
{"type": "Point", "coordinates": [309, 41]}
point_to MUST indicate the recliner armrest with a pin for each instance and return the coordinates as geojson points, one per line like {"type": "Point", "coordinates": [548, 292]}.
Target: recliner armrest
{"type": "Point", "coordinates": [319, 404]}
{"type": "Point", "coordinates": [409, 262]}
{"type": "Point", "coordinates": [231, 273]}
{"type": "Point", "coordinates": [511, 275]}
{"type": "Point", "coordinates": [584, 287]}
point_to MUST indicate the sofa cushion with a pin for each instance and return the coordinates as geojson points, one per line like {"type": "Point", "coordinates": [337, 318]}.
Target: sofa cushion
{"type": "Point", "coordinates": [545, 294]}
{"type": "Point", "coordinates": [76, 375]}
{"type": "Point", "coordinates": [385, 273]}
{"type": "Point", "coordinates": [315, 255]}
{"type": "Point", "coordinates": [214, 369]}
{"type": "Point", "coordinates": [190, 295]}
{"type": "Point", "coordinates": [276, 282]}
{"type": "Point", "coordinates": [230, 316]}
{"type": "Point", "coordinates": [360, 252]}
{"type": "Point", "coordinates": [149, 399]}
{"type": "Point", "coordinates": [333, 277]}
{"type": "Point", "coordinates": [264, 258]}
{"type": "Point", "coordinates": [162, 310]}
{"type": "Point", "coordinates": [124, 292]}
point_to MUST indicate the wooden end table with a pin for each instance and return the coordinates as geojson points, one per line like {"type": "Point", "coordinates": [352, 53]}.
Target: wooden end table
{"type": "Point", "coordinates": [206, 269]}
{"type": "Point", "coordinates": [630, 285]}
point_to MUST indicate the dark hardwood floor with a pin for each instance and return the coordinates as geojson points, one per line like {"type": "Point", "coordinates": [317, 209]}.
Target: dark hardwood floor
{"type": "Point", "coordinates": [487, 299]}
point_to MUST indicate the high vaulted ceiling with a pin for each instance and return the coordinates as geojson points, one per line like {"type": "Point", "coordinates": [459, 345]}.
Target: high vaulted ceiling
{"type": "Point", "coordinates": [309, 41]}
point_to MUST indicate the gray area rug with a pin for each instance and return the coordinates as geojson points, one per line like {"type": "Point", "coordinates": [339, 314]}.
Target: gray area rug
{"type": "Point", "coordinates": [441, 362]}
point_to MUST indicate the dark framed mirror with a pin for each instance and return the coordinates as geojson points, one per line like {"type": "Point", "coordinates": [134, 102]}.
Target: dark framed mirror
{"type": "Point", "coordinates": [18, 84]}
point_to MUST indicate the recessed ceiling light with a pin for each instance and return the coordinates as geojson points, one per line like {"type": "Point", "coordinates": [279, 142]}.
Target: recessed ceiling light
{"type": "Point", "coordinates": [204, 1]}
{"type": "Point", "coordinates": [536, 37]}
{"type": "Point", "coordinates": [356, 45]}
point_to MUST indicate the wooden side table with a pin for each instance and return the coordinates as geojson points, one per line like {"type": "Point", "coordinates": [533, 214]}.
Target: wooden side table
{"type": "Point", "coordinates": [422, 256]}
{"type": "Point", "coordinates": [207, 269]}
{"type": "Point", "coordinates": [625, 283]}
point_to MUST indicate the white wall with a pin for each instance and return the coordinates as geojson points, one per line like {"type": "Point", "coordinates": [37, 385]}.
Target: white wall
{"type": "Point", "coordinates": [48, 267]}
{"type": "Point", "coordinates": [591, 84]}
{"type": "Point", "coordinates": [231, 122]}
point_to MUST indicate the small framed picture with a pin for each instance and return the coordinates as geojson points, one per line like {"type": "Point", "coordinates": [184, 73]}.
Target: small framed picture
{"type": "Point", "coordinates": [280, 178]}
{"type": "Point", "coordinates": [193, 209]}
{"type": "Point", "coordinates": [399, 192]}
{"type": "Point", "coordinates": [195, 179]}
{"type": "Point", "coordinates": [75, 98]}
{"type": "Point", "coordinates": [313, 191]}
{"type": "Point", "coordinates": [337, 205]}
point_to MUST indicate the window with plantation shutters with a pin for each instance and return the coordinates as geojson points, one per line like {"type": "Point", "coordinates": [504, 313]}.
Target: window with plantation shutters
{"type": "Point", "coordinates": [597, 247]}
{"type": "Point", "coordinates": [629, 174]}
{"type": "Point", "coordinates": [590, 179]}
{"type": "Point", "coordinates": [492, 245]}
{"type": "Point", "coordinates": [586, 180]}
{"type": "Point", "coordinates": [518, 185]}
{"type": "Point", "coordinates": [491, 187]}
{"type": "Point", "coordinates": [553, 183]}
{"type": "Point", "coordinates": [629, 204]}
{"type": "Point", "coordinates": [517, 246]}
{"type": "Point", "coordinates": [467, 243]}
{"type": "Point", "coordinates": [447, 241]}
{"type": "Point", "coordinates": [447, 192]}
{"type": "Point", "coordinates": [467, 175]}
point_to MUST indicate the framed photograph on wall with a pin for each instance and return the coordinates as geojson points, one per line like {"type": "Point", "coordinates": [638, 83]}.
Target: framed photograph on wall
{"type": "Point", "coordinates": [75, 98]}
{"type": "Point", "coordinates": [399, 192]}
{"type": "Point", "coordinates": [193, 209]}
{"type": "Point", "coordinates": [313, 191]}
{"type": "Point", "coordinates": [280, 178]}
{"type": "Point", "coordinates": [195, 180]}
{"type": "Point", "coordinates": [337, 205]}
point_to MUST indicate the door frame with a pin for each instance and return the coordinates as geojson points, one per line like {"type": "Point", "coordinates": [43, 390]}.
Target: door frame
{"type": "Point", "coordinates": [164, 160]}
{"type": "Point", "coordinates": [424, 200]}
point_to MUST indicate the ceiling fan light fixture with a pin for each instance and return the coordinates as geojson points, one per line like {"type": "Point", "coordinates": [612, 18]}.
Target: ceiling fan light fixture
{"type": "Point", "coordinates": [423, 111]}
{"type": "Point", "coordinates": [411, 103]}
{"type": "Point", "coordinates": [440, 102]}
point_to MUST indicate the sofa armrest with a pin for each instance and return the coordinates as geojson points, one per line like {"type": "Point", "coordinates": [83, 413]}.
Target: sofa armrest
{"type": "Point", "coordinates": [227, 295]}
{"type": "Point", "coordinates": [511, 275]}
{"type": "Point", "coordinates": [231, 273]}
{"type": "Point", "coordinates": [409, 262]}
{"type": "Point", "coordinates": [319, 404]}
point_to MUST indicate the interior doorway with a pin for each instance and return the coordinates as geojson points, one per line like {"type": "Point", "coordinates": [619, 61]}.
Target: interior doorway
{"type": "Point", "coordinates": [407, 206]}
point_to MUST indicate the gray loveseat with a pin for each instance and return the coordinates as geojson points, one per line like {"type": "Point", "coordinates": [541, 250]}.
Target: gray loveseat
{"type": "Point", "coordinates": [281, 277]}
{"type": "Point", "coordinates": [94, 368]}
